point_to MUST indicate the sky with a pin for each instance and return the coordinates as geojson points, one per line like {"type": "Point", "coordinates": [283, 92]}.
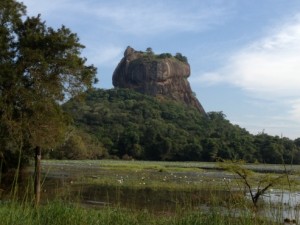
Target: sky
{"type": "Point", "coordinates": [244, 55]}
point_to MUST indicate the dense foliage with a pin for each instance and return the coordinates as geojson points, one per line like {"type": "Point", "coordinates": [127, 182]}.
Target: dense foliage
{"type": "Point", "coordinates": [150, 55]}
{"type": "Point", "coordinates": [127, 124]}
{"type": "Point", "coordinates": [39, 68]}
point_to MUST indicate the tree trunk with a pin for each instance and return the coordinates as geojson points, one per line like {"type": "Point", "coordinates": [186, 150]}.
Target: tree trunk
{"type": "Point", "coordinates": [37, 177]}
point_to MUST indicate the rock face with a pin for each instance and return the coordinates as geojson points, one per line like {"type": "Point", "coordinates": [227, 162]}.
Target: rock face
{"type": "Point", "coordinates": [155, 75]}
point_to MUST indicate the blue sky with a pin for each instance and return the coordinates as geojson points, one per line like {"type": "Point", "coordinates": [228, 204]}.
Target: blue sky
{"type": "Point", "coordinates": [244, 55]}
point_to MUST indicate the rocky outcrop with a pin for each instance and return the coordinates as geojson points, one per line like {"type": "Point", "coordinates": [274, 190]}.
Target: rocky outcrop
{"type": "Point", "coordinates": [156, 75]}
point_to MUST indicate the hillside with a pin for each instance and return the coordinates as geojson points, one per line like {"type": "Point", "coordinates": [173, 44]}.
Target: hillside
{"type": "Point", "coordinates": [125, 124]}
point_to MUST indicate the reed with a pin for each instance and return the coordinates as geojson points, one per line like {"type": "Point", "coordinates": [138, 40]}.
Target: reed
{"type": "Point", "coordinates": [61, 213]}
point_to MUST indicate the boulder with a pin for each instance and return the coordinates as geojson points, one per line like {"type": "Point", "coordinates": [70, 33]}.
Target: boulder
{"type": "Point", "coordinates": [156, 75]}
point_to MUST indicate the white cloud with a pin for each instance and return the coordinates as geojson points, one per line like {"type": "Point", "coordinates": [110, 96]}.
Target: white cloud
{"type": "Point", "coordinates": [105, 55]}
{"type": "Point", "coordinates": [35, 6]}
{"type": "Point", "coordinates": [156, 17]}
{"type": "Point", "coordinates": [268, 67]}
{"type": "Point", "coordinates": [295, 110]}
{"type": "Point", "coordinates": [209, 78]}
{"type": "Point", "coordinates": [266, 74]}
{"type": "Point", "coordinates": [269, 71]}
{"type": "Point", "coordinates": [136, 17]}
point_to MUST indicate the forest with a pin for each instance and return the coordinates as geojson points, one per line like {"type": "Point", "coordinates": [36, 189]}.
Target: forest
{"type": "Point", "coordinates": [124, 124]}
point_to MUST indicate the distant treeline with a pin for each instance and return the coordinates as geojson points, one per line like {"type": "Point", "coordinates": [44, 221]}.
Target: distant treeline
{"type": "Point", "coordinates": [121, 123]}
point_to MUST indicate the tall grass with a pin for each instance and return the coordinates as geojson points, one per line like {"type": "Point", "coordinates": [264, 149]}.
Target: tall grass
{"type": "Point", "coordinates": [62, 213]}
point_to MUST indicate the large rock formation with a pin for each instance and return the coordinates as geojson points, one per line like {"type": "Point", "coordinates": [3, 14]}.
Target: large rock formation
{"type": "Point", "coordinates": [156, 75]}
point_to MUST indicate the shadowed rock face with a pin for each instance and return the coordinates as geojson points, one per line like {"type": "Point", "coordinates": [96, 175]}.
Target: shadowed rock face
{"type": "Point", "coordinates": [151, 75]}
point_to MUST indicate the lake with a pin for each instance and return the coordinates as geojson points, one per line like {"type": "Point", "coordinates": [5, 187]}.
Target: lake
{"type": "Point", "coordinates": [163, 187]}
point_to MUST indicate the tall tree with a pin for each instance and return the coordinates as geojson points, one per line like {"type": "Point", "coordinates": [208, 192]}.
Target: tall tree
{"type": "Point", "coordinates": [40, 67]}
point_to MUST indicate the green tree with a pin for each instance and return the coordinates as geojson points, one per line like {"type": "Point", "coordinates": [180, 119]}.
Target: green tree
{"type": "Point", "coordinates": [80, 145]}
{"type": "Point", "coordinates": [192, 152]}
{"type": "Point", "coordinates": [149, 51]}
{"type": "Point", "coordinates": [150, 128]}
{"type": "Point", "coordinates": [40, 67]}
{"type": "Point", "coordinates": [181, 58]}
{"type": "Point", "coordinates": [297, 142]}
{"type": "Point", "coordinates": [256, 185]}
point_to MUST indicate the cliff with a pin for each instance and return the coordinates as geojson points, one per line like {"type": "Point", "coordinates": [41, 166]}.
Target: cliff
{"type": "Point", "coordinates": [156, 75]}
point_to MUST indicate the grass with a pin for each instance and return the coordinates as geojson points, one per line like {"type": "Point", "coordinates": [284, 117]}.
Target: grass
{"type": "Point", "coordinates": [132, 165]}
{"type": "Point", "coordinates": [154, 175]}
{"type": "Point", "coordinates": [136, 174]}
{"type": "Point", "coordinates": [61, 213]}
